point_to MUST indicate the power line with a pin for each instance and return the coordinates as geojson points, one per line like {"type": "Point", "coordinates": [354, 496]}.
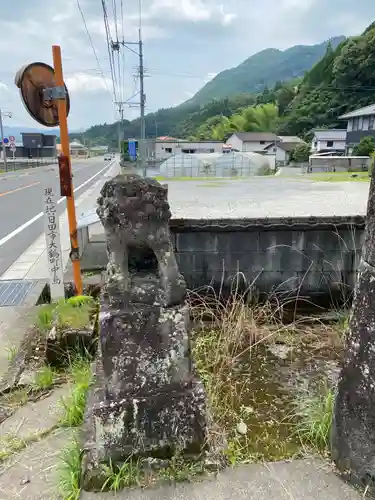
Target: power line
{"type": "Point", "coordinates": [109, 41]}
{"type": "Point", "coordinates": [92, 44]}
{"type": "Point", "coordinates": [114, 8]}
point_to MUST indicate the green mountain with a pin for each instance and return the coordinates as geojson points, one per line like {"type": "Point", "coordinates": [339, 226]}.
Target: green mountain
{"type": "Point", "coordinates": [343, 80]}
{"type": "Point", "coordinates": [264, 69]}
{"type": "Point", "coordinates": [226, 94]}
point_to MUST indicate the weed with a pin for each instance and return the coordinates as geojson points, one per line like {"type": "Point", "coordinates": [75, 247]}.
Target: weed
{"type": "Point", "coordinates": [74, 312]}
{"type": "Point", "coordinates": [74, 407]}
{"type": "Point", "coordinates": [11, 352]}
{"type": "Point", "coordinates": [314, 418]}
{"type": "Point", "coordinates": [44, 378]}
{"type": "Point", "coordinates": [233, 348]}
{"type": "Point", "coordinates": [70, 472]}
{"type": "Point", "coordinates": [15, 399]}
{"type": "Point", "coordinates": [80, 374]}
{"type": "Point", "coordinates": [121, 476]}
{"type": "Point", "coordinates": [45, 316]}
{"type": "Point", "coordinates": [80, 300]}
{"type": "Point", "coordinates": [180, 470]}
{"type": "Point", "coordinates": [79, 370]}
{"type": "Point", "coordinates": [10, 444]}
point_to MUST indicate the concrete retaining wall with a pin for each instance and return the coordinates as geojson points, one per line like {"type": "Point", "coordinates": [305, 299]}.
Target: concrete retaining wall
{"type": "Point", "coordinates": [296, 256]}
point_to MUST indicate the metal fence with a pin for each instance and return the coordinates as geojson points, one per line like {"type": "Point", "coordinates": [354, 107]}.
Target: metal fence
{"type": "Point", "coordinates": [23, 163]}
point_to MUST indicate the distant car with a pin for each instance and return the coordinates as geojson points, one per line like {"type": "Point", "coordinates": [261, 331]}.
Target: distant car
{"type": "Point", "coordinates": [108, 157]}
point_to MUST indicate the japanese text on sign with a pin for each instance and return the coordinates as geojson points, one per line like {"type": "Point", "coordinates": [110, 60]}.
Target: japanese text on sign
{"type": "Point", "coordinates": [51, 228]}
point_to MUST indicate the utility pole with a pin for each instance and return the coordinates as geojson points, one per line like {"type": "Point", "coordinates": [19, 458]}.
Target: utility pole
{"type": "Point", "coordinates": [141, 147]}
{"type": "Point", "coordinates": [120, 124]}
{"type": "Point", "coordinates": [4, 113]}
{"type": "Point", "coordinates": [142, 163]}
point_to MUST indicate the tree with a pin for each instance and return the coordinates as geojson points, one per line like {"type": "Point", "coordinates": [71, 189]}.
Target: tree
{"type": "Point", "coordinates": [365, 148]}
{"type": "Point", "coordinates": [301, 152]}
{"type": "Point", "coordinates": [284, 97]}
{"type": "Point", "coordinates": [262, 118]}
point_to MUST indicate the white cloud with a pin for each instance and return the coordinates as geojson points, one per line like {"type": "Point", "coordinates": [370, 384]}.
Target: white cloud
{"type": "Point", "coordinates": [187, 42]}
{"type": "Point", "coordinates": [84, 82]}
{"type": "Point", "coordinates": [189, 10]}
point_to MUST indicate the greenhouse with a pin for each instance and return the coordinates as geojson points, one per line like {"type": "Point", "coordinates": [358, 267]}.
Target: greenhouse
{"type": "Point", "coordinates": [216, 165]}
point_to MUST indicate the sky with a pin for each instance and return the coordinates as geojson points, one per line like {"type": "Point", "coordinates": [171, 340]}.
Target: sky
{"type": "Point", "coordinates": [186, 43]}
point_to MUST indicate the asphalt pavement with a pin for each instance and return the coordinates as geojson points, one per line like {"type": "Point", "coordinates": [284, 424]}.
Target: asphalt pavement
{"type": "Point", "coordinates": [21, 204]}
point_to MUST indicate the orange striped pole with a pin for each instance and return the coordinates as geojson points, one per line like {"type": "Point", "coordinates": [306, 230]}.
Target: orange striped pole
{"type": "Point", "coordinates": [65, 150]}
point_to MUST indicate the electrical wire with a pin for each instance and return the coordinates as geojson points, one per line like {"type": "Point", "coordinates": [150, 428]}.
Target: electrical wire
{"type": "Point", "coordinates": [92, 44]}
{"type": "Point", "coordinates": [109, 46]}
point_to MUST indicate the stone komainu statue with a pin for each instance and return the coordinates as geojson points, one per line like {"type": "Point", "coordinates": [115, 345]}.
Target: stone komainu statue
{"type": "Point", "coordinates": [135, 214]}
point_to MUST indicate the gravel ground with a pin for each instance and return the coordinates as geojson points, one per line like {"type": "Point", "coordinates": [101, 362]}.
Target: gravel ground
{"type": "Point", "coordinates": [265, 197]}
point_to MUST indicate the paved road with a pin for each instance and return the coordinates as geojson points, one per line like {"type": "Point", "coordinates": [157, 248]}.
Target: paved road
{"type": "Point", "coordinates": [21, 202]}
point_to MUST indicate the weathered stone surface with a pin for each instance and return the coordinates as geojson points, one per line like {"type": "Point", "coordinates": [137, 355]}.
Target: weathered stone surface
{"type": "Point", "coordinates": [135, 214]}
{"type": "Point", "coordinates": [162, 422]}
{"type": "Point", "coordinates": [146, 400]}
{"type": "Point", "coordinates": [353, 436]}
{"type": "Point", "coordinates": [144, 349]}
{"type": "Point", "coordinates": [61, 341]}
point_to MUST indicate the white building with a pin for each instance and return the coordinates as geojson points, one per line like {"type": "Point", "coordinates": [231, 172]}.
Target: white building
{"type": "Point", "coordinates": [251, 141]}
{"type": "Point", "coordinates": [283, 148]}
{"type": "Point", "coordinates": [282, 151]}
{"type": "Point", "coordinates": [166, 147]}
{"type": "Point", "coordinates": [329, 140]}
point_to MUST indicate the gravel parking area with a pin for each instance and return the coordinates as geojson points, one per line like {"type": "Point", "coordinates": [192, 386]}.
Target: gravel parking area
{"type": "Point", "coordinates": [265, 197]}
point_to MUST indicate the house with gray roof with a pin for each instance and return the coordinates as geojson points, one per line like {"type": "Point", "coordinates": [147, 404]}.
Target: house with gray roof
{"type": "Point", "coordinates": [360, 123]}
{"type": "Point", "coordinates": [328, 140]}
{"type": "Point", "coordinates": [254, 142]}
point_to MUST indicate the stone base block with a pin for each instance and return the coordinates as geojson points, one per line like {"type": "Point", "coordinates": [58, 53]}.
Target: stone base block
{"type": "Point", "coordinates": [144, 349]}
{"type": "Point", "coordinates": [158, 425]}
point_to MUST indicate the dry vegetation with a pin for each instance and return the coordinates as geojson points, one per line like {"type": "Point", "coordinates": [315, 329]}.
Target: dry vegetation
{"type": "Point", "coordinates": [258, 399]}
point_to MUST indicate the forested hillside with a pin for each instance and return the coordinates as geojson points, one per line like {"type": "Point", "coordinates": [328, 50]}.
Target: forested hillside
{"type": "Point", "coordinates": [264, 69]}
{"type": "Point", "coordinates": [344, 79]}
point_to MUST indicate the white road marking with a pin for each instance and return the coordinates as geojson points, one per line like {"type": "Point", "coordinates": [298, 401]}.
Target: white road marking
{"type": "Point", "coordinates": [40, 214]}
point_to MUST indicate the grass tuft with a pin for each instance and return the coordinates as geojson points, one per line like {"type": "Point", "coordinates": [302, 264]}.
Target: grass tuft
{"type": "Point", "coordinates": [234, 346]}
{"type": "Point", "coordinates": [314, 419]}
{"type": "Point", "coordinates": [180, 470]}
{"type": "Point", "coordinates": [44, 378]}
{"type": "Point", "coordinates": [74, 312]}
{"type": "Point", "coordinates": [121, 476]}
{"type": "Point", "coordinates": [45, 316]}
{"type": "Point", "coordinates": [339, 177]}
{"type": "Point", "coordinates": [70, 472]}
{"type": "Point", "coordinates": [80, 375]}
{"type": "Point", "coordinates": [11, 352]}
{"type": "Point", "coordinates": [80, 300]}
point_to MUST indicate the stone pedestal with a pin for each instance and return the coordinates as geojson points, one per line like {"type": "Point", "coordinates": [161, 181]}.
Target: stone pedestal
{"type": "Point", "coordinates": [146, 400]}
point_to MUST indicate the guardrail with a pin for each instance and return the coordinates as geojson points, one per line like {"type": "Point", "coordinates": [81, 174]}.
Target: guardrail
{"type": "Point", "coordinates": [22, 163]}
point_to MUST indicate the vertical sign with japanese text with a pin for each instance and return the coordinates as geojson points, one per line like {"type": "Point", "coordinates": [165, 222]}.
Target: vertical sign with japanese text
{"type": "Point", "coordinates": [52, 232]}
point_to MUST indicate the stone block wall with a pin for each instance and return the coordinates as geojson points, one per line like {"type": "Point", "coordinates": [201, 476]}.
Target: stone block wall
{"type": "Point", "coordinates": [298, 256]}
